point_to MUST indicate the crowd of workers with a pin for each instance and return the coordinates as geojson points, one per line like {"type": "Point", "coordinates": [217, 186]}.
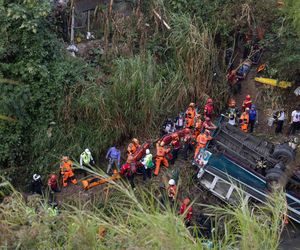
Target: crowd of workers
{"type": "Point", "coordinates": [189, 132]}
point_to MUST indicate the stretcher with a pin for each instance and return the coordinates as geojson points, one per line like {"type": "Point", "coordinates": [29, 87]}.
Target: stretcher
{"type": "Point", "coordinates": [180, 133]}
{"type": "Point", "coordinates": [273, 82]}
{"type": "Point", "coordinates": [99, 180]}
{"type": "Point", "coordinates": [138, 155]}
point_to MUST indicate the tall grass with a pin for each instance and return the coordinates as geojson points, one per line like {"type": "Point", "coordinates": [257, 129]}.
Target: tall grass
{"type": "Point", "coordinates": [139, 93]}
{"type": "Point", "coordinates": [197, 56]}
{"type": "Point", "coordinates": [133, 220]}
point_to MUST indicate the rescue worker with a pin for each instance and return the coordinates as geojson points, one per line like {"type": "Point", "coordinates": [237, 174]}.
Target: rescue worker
{"type": "Point", "coordinates": [190, 115]}
{"type": "Point", "coordinates": [252, 118]}
{"type": "Point", "coordinates": [129, 170]}
{"type": "Point", "coordinates": [114, 156]}
{"type": "Point", "coordinates": [172, 191]}
{"type": "Point", "coordinates": [198, 126]}
{"type": "Point", "coordinates": [67, 171]}
{"type": "Point", "coordinates": [232, 112]}
{"type": "Point", "coordinates": [161, 152]}
{"type": "Point", "coordinates": [208, 124]}
{"type": "Point", "coordinates": [133, 146]}
{"type": "Point", "coordinates": [36, 184]}
{"type": "Point", "coordinates": [168, 127]}
{"type": "Point", "coordinates": [175, 148]}
{"type": "Point", "coordinates": [202, 140]}
{"type": "Point", "coordinates": [247, 103]}
{"type": "Point", "coordinates": [185, 208]}
{"type": "Point", "coordinates": [53, 187]}
{"type": "Point", "coordinates": [295, 121]}
{"type": "Point", "coordinates": [208, 108]}
{"type": "Point", "coordinates": [86, 161]}
{"type": "Point", "coordinates": [279, 117]}
{"type": "Point", "coordinates": [179, 122]}
{"type": "Point", "coordinates": [244, 120]}
{"type": "Point", "coordinates": [188, 145]}
{"type": "Point", "coordinates": [53, 183]}
{"type": "Point", "coordinates": [147, 165]}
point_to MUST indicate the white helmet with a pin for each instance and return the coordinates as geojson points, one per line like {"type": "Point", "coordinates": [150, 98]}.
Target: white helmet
{"type": "Point", "coordinates": [147, 151]}
{"type": "Point", "coordinates": [171, 182]}
{"type": "Point", "coordinates": [87, 151]}
{"type": "Point", "coordinates": [36, 177]}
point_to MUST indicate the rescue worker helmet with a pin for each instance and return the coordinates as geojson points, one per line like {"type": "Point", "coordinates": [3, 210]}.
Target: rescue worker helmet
{"type": "Point", "coordinates": [192, 104]}
{"type": "Point", "coordinates": [171, 182]}
{"type": "Point", "coordinates": [53, 177]}
{"type": "Point", "coordinates": [186, 201]}
{"type": "Point", "coordinates": [247, 109]}
{"type": "Point", "coordinates": [253, 106]}
{"type": "Point", "coordinates": [36, 177]}
{"type": "Point", "coordinates": [248, 97]}
{"type": "Point", "coordinates": [87, 151]}
{"type": "Point", "coordinates": [162, 144]}
{"type": "Point", "coordinates": [147, 151]}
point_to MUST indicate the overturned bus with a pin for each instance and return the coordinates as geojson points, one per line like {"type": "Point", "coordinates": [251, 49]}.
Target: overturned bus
{"type": "Point", "coordinates": [236, 162]}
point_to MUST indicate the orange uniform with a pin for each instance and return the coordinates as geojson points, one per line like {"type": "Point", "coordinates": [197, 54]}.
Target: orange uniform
{"type": "Point", "coordinates": [244, 121]}
{"type": "Point", "coordinates": [131, 149]}
{"type": "Point", "coordinates": [190, 116]}
{"type": "Point", "coordinates": [133, 146]}
{"type": "Point", "coordinates": [161, 157]}
{"type": "Point", "coordinates": [202, 140]}
{"type": "Point", "coordinates": [67, 172]}
{"type": "Point", "coordinates": [198, 127]}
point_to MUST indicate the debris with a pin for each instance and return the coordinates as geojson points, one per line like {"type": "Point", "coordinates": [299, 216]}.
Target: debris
{"type": "Point", "coordinates": [297, 91]}
{"type": "Point", "coordinates": [163, 21]}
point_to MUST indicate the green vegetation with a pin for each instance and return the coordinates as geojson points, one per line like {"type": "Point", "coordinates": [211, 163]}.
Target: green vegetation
{"type": "Point", "coordinates": [133, 220]}
{"type": "Point", "coordinates": [53, 104]}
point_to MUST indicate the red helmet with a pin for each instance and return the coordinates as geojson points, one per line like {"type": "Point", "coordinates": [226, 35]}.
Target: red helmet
{"type": "Point", "coordinates": [248, 97]}
{"type": "Point", "coordinates": [209, 101]}
{"type": "Point", "coordinates": [207, 119]}
{"type": "Point", "coordinates": [53, 177]}
{"type": "Point", "coordinates": [186, 201]}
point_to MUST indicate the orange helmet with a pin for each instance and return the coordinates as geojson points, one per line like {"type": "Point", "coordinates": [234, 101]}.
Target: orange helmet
{"type": "Point", "coordinates": [248, 97]}
{"type": "Point", "coordinates": [192, 104]}
{"type": "Point", "coordinates": [209, 101]}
